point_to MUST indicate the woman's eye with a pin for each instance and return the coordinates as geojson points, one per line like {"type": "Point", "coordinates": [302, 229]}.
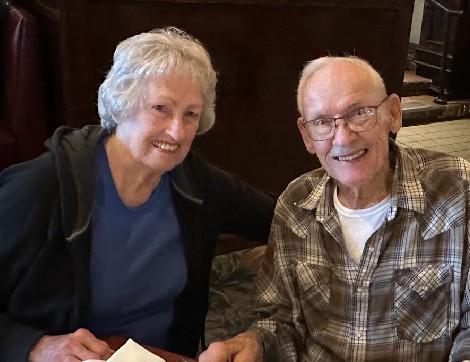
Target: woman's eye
{"type": "Point", "coordinates": [159, 107]}
{"type": "Point", "coordinates": [192, 115]}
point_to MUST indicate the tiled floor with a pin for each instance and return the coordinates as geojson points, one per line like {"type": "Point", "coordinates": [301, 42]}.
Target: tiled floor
{"type": "Point", "coordinates": [447, 136]}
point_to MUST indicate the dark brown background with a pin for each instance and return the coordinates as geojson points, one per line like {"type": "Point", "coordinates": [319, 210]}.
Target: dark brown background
{"type": "Point", "coordinates": [258, 47]}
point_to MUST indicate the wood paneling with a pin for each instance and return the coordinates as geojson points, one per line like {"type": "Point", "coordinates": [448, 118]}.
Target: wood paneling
{"type": "Point", "coordinates": [258, 48]}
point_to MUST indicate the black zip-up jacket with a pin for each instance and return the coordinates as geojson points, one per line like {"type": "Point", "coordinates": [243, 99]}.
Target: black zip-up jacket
{"type": "Point", "coordinates": [45, 212]}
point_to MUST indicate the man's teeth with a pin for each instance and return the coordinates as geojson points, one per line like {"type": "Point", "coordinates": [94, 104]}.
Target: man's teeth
{"type": "Point", "coordinates": [351, 157]}
{"type": "Point", "coordinates": [165, 146]}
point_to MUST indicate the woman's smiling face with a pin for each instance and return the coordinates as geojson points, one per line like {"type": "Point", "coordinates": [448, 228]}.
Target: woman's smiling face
{"type": "Point", "coordinates": [159, 135]}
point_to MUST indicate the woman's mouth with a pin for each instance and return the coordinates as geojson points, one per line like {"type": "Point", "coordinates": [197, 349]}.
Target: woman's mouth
{"type": "Point", "coordinates": [165, 146]}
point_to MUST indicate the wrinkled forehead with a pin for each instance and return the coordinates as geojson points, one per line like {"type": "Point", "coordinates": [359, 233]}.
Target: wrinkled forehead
{"type": "Point", "coordinates": [177, 86]}
{"type": "Point", "coordinates": [336, 86]}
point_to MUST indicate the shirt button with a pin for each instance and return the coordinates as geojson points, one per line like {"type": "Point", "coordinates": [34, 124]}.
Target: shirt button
{"type": "Point", "coordinates": [371, 249]}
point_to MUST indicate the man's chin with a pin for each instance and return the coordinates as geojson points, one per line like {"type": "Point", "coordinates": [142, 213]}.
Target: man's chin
{"type": "Point", "coordinates": [356, 180]}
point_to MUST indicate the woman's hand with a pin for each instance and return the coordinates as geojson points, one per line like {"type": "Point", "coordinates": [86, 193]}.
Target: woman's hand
{"type": "Point", "coordinates": [78, 346]}
{"type": "Point", "coordinates": [245, 347]}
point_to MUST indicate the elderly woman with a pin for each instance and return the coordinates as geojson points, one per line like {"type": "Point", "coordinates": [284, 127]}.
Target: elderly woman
{"type": "Point", "coordinates": [112, 230]}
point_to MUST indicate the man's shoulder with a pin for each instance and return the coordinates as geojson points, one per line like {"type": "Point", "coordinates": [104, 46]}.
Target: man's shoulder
{"type": "Point", "coordinates": [301, 187]}
{"type": "Point", "coordinates": [313, 176]}
{"type": "Point", "coordinates": [430, 163]}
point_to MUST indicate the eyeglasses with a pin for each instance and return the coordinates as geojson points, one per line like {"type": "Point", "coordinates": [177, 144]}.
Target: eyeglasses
{"type": "Point", "coordinates": [359, 120]}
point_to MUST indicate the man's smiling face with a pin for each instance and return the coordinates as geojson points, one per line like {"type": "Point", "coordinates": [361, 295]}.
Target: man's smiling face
{"type": "Point", "coordinates": [353, 159]}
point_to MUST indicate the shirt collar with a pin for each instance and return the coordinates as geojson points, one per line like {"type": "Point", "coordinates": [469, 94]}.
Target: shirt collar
{"type": "Point", "coordinates": [319, 198]}
{"type": "Point", "coordinates": [407, 191]}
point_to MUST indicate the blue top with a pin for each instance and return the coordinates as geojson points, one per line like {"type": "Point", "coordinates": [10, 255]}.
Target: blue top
{"type": "Point", "coordinates": [138, 266]}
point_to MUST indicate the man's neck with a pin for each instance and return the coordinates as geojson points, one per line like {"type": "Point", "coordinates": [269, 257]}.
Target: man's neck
{"type": "Point", "coordinates": [365, 196]}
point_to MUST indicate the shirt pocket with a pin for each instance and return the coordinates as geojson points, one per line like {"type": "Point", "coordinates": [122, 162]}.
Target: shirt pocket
{"type": "Point", "coordinates": [422, 302]}
{"type": "Point", "coordinates": [313, 284]}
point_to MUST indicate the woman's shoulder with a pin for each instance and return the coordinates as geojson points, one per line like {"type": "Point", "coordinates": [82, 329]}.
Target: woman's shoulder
{"type": "Point", "coordinates": [34, 177]}
{"type": "Point", "coordinates": [205, 179]}
{"type": "Point", "coordinates": [195, 167]}
{"type": "Point", "coordinates": [40, 166]}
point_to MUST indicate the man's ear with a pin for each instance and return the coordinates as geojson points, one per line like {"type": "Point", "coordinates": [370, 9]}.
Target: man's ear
{"type": "Point", "coordinates": [395, 113]}
{"type": "Point", "coordinates": [307, 141]}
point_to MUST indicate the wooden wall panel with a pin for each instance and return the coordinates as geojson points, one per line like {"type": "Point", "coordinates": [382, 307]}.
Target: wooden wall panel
{"type": "Point", "coordinates": [258, 48]}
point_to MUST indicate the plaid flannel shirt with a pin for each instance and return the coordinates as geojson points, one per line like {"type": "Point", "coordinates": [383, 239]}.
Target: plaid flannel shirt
{"type": "Point", "coordinates": [408, 298]}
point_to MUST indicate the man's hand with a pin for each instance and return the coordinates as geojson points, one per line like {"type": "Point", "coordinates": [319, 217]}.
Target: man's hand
{"type": "Point", "coordinates": [78, 346]}
{"type": "Point", "coordinates": [245, 347]}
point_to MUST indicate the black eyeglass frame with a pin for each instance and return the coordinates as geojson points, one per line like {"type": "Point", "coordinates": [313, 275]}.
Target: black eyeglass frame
{"type": "Point", "coordinates": [344, 117]}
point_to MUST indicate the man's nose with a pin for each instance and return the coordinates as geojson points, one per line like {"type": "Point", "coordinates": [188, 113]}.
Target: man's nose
{"type": "Point", "coordinates": [342, 132]}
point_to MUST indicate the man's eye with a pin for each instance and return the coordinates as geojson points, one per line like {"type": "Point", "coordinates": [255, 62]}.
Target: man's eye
{"type": "Point", "coordinates": [361, 112]}
{"type": "Point", "coordinates": [322, 122]}
{"type": "Point", "coordinates": [364, 112]}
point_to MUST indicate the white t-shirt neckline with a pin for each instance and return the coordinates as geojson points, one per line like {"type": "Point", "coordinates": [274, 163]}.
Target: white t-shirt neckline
{"type": "Point", "coordinates": [357, 225]}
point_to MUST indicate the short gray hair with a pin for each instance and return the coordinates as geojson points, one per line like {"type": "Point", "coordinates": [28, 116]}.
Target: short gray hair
{"type": "Point", "coordinates": [141, 57]}
{"type": "Point", "coordinates": [315, 65]}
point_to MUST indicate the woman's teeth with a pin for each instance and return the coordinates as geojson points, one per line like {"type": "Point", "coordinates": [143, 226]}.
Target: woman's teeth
{"type": "Point", "coordinates": [165, 146]}
{"type": "Point", "coordinates": [351, 157]}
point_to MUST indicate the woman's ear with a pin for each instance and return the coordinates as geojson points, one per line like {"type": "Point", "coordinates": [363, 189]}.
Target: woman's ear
{"type": "Point", "coordinates": [395, 113]}
{"type": "Point", "coordinates": [307, 141]}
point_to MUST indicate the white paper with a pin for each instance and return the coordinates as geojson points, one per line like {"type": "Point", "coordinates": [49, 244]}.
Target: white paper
{"type": "Point", "coordinates": [131, 352]}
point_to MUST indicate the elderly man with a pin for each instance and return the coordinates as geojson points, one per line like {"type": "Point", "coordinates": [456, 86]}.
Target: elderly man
{"type": "Point", "coordinates": [368, 257]}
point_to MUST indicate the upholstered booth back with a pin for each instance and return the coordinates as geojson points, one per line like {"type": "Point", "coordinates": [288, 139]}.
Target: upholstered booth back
{"type": "Point", "coordinates": [23, 124]}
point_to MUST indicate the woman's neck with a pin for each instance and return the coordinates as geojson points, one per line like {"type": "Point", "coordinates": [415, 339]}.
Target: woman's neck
{"type": "Point", "coordinates": [134, 181]}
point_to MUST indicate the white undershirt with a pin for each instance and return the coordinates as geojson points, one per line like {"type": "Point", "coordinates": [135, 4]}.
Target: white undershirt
{"type": "Point", "coordinates": [358, 225]}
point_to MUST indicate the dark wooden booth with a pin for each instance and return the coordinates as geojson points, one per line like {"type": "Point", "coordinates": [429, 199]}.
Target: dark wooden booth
{"type": "Point", "coordinates": [443, 53]}
{"type": "Point", "coordinates": [258, 48]}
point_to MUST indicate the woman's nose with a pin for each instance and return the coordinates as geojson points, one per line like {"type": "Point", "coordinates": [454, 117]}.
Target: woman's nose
{"type": "Point", "coordinates": [176, 127]}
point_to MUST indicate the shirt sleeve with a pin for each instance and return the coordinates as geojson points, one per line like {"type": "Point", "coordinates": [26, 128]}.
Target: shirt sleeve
{"type": "Point", "coordinates": [22, 225]}
{"type": "Point", "coordinates": [461, 347]}
{"type": "Point", "coordinates": [279, 313]}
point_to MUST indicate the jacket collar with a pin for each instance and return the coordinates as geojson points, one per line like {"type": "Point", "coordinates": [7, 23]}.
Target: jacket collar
{"type": "Point", "coordinates": [182, 179]}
